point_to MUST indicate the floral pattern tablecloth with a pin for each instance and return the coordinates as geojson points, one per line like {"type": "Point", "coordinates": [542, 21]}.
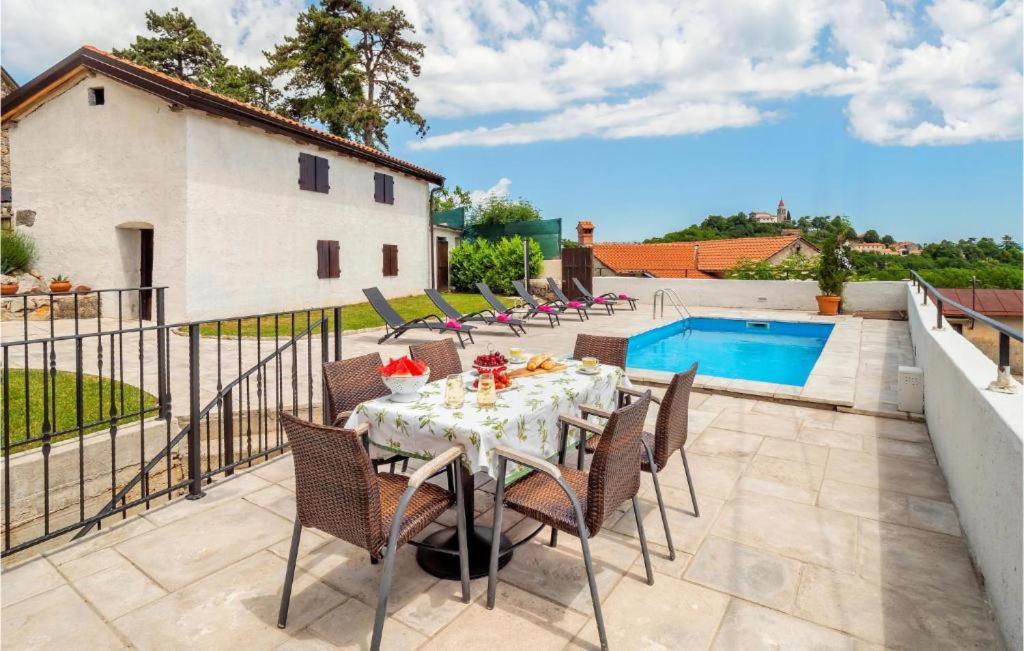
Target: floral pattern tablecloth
{"type": "Point", "coordinates": [525, 417]}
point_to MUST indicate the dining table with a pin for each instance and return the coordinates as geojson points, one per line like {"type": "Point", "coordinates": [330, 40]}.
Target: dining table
{"type": "Point", "coordinates": [524, 417]}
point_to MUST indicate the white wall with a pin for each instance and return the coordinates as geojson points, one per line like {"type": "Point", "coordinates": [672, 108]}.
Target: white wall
{"type": "Point", "coordinates": [86, 169]}
{"type": "Point", "coordinates": [252, 232]}
{"type": "Point", "coordinates": [976, 434]}
{"type": "Point", "coordinates": [769, 294]}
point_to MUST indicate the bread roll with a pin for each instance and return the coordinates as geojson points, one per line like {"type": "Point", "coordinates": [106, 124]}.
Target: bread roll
{"type": "Point", "coordinates": [535, 362]}
{"type": "Point", "coordinates": [548, 364]}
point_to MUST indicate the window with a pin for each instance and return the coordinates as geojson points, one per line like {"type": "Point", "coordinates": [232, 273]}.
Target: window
{"type": "Point", "coordinates": [314, 173]}
{"type": "Point", "coordinates": [383, 188]}
{"type": "Point", "coordinates": [327, 265]}
{"type": "Point", "coordinates": [390, 259]}
{"type": "Point", "coordinates": [96, 97]}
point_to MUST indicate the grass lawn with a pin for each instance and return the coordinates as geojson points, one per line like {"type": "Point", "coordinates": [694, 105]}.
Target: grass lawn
{"type": "Point", "coordinates": [353, 317]}
{"type": "Point", "coordinates": [66, 417]}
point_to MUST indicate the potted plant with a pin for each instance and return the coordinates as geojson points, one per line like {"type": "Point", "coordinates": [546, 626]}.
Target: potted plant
{"type": "Point", "coordinates": [9, 286]}
{"type": "Point", "coordinates": [60, 284]}
{"type": "Point", "coordinates": [833, 269]}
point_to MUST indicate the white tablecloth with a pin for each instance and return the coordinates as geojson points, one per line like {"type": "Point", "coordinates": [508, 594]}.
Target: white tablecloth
{"type": "Point", "coordinates": [525, 418]}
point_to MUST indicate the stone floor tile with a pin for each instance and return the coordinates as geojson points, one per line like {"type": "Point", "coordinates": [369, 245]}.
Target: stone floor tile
{"type": "Point", "coordinates": [896, 555]}
{"type": "Point", "coordinates": [311, 539]}
{"type": "Point", "coordinates": [904, 430]}
{"type": "Point", "coordinates": [234, 608]}
{"type": "Point", "coordinates": [794, 451]}
{"type": "Point", "coordinates": [279, 470]}
{"type": "Point", "coordinates": [559, 574]}
{"type": "Point", "coordinates": [748, 572]}
{"type": "Point", "coordinates": [110, 535]}
{"type": "Point", "coordinates": [348, 569]}
{"type": "Point", "coordinates": [671, 614]}
{"type": "Point", "coordinates": [892, 617]}
{"type": "Point", "coordinates": [227, 490]}
{"type": "Point", "coordinates": [432, 610]}
{"type": "Point", "coordinates": [90, 564]}
{"type": "Point", "coordinates": [718, 442]}
{"type": "Point", "coordinates": [863, 501]}
{"type": "Point", "coordinates": [118, 589]}
{"type": "Point", "coordinates": [777, 489]}
{"type": "Point", "coordinates": [810, 433]}
{"type": "Point", "coordinates": [712, 476]}
{"type": "Point", "coordinates": [751, 627]}
{"type": "Point", "coordinates": [275, 498]}
{"type": "Point", "coordinates": [28, 579]}
{"type": "Point", "coordinates": [719, 402]}
{"type": "Point", "coordinates": [897, 448]}
{"type": "Point", "coordinates": [660, 563]}
{"type": "Point", "coordinates": [805, 476]}
{"type": "Point", "coordinates": [519, 620]}
{"type": "Point", "coordinates": [796, 530]}
{"type": "Point", "coordinates": [933, 515]}
{"type": "Point", "coordinates": [687, 531]}
{"type": "Point", "coordinates": [887, 473]}
{"type": "Point", "coordinates": [193, 547]}
{"type": "Point", "coordinates": [749, 422]}
{"type": "Point", "coordinates": [698, 421]}
{"type": "Point", "coordinates": [57, 619]}
{"type": "Point", "coordinates": [350, 626]}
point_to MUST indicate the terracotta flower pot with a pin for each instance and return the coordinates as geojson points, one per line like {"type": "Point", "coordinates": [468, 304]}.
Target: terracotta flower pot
{"type": "Point", "coordinates": [59, 287]}
{"type": "Point", "coordinates": [7, 289]}
{"type": "Point", "coordinates": [828, 305]}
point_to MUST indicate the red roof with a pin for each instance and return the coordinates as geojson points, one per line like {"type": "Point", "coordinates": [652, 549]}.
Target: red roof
{"type": "Point", "coordinates": [990, 302]}
{"type": "Point", "coordinates": [690, 259]}
{"type": "Point", "coordinates": [586, 223]}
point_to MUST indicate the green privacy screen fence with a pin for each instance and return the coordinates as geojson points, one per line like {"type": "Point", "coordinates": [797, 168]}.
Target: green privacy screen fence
{"type": "Point", "coordinates": [546, 232]}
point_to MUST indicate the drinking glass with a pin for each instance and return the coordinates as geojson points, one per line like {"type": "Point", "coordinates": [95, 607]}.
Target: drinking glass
{"type": "Point", "coordinates": [454, 391]}
{"type": "Point", "coordinates": [486, 395]}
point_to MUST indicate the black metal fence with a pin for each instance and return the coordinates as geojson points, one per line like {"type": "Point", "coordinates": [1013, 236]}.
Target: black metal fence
{"type": "Point", "coordinates": [103, 418]}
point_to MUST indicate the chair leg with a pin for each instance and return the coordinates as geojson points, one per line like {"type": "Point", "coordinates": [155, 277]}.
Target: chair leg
{"type": "Point", "coordinates": [582, 452]}
{"type": "Point", "coordinates": [598, 618]}
{"type": "Point", "coordinates": [451, 480]}
{"type": "Point", "coordinates": [461, 527]}
{"type": "Point", "coordinates": [499, 503]}
{"type": "Point", "coordinates": [689, 482]}
{"type": "Point", "coordinates": [289, 575]}
{"type": "Point", "coordinates": [664, 515]}
{"type": "Point", "coordinates": [382, 599]}
{"type": "Point", "coordinates": [554, 538]}
{"type": "Point", "coordinates": [405, 465]}
{"type": "Point", "coordinates": [643, 540]}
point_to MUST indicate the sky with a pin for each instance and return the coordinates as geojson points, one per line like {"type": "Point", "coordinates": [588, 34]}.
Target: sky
{"type": "Point", "coordinates": [646, 116]}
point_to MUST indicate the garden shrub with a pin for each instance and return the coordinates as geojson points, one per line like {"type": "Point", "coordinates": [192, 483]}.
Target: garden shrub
{"type": "Point", "coordinates": [495, 263]}
{"type": "Point", "coordinates": [17, 252]}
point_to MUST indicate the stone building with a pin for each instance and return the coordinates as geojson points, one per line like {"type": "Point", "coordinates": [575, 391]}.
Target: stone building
{"type": "Point", "coordinates": [7, 85]}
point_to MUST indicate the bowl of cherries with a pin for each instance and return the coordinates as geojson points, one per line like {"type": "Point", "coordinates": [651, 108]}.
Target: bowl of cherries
{"type": "Point", "coordinates": [496, 364]}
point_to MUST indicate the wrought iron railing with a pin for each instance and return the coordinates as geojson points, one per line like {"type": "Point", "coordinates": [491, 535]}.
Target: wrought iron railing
{"type": "Point", "coordinates": [70, 460]}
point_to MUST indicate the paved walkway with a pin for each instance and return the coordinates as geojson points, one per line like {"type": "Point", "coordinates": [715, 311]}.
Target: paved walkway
{"type": "Point", "coordinates": [817, 529]}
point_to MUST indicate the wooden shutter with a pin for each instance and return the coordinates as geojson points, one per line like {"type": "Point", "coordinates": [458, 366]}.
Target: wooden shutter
{"type": "Point", "coordinates": [307, 172]}
{"type": "Point", "coordinates": [333, 262]}
{"type": "Point", "coordinates": [322, 174]}
{"type": "Point", "coordinates": [322, 259]}
{"type": "Point", "coordinates": [390, 255]}
{"type": "Point", "coordinates": [378, 187]}
{"type": "Point", "coordinates": [389, 189]}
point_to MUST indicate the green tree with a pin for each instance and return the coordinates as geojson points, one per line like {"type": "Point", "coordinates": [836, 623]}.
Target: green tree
{"type": "Point", "coordinates": [502, 210]}
{"type": "Point", "coordinates": [871, 236]}
{"type": "Point", "coordinates": [495, 263]}
{"type": "Point", "coordinates": [246, 85]}
{"type": "Point", "coordinates": [447, 199]}
{"type": "Point", "coordinates": [833, 265]}
{"type": "Point", "coordinates": [888, 240]}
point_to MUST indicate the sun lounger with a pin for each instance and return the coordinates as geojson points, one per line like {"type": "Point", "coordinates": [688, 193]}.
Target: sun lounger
{"type": "Point", "coordinates": [518, 326]}
{"type": "Point", "coordinates": [395, 326]}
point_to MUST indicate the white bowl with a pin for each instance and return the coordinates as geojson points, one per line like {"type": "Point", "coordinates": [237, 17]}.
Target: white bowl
{"type": "Point", "coordinates": [406, 388]}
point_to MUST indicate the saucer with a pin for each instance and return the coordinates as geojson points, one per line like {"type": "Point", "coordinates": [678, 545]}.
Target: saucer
{"type": "Point", "coordinates": [584, 371]}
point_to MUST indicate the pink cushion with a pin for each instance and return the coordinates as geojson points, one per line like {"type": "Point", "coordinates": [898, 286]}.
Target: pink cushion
{"type": "Point", "coordinates": [453, 324]}
{"type": "Point", "coordinates": [503, 318]}
{"type": "Point", "coordinates": [574, 304]}
{"type": "Point", "coordinates": [599, 299]}
{"type": "Point", "coordinates": [545, 308]}
{"type": "Point", "coordinates": [624, 297]}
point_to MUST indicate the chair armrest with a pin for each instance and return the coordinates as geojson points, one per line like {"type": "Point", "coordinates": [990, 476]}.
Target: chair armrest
{"type": "Point", "coordinates": [630, 391]}
{"type": "Point", "coordinates": [591, 409]}
{"type": "Point", "coordinates": [572, 421]}
{"type": "Point", "coordinates": [537, 463]}
{"type": "Point", "coordinates": [432, 467]}
{"type": "Point", "coordinates": [362, 429]}
{"type": "Point", "coordinates": [341, 418]}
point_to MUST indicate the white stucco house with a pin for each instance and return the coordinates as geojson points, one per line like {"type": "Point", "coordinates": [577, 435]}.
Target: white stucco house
{"type": "Point", "coordinates": [137, 178]}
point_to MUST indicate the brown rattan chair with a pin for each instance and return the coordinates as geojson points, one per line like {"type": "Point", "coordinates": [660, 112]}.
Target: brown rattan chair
{"type": "Point", "coordinates": [575, 501]}
{"type": "Point", "coordinates": [338, 492]}
{"type": "Point", "coordinates": [669, 435]}
{"type": "Point", "coordinates": [440, 356]}
{"type": "Point", "coordinates": [607, 350]}
{"type": "Point", "coordinates": [350, 382]}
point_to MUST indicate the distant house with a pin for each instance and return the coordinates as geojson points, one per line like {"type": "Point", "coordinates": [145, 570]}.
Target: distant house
{"type": "Point", "coordinates": [1003, 305]}
{"type": "Point", "coordinates": [137, 178]}
{"type": "Point", "coordinates": [7, 86]}
{"type": "Point", "coordinates": [705, 259]}
{"type": "Point", "coordinates": [896, 248]}
{"type": "Point", "coordinates": [781, 215]}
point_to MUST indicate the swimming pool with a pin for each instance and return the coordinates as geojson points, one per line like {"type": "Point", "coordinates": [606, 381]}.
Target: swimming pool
{"type": "Point", "coordinates": [782, 352]}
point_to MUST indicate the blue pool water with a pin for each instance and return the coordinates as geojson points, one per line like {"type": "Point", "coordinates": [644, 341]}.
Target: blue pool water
{"type": "Point", "coordinates": [768, 351]}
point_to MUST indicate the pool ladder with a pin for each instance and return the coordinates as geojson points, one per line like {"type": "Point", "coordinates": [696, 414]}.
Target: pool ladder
{"type": "Point", "coordinates": [673, 300]}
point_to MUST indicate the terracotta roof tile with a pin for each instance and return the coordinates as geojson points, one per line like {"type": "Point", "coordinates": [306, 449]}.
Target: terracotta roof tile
{"type": "Point", "coordinates": [673, 260]}
{"type": "Point", "coordinates": [722, 255]}
{"type": "Point", "coordinates": [585, 223]}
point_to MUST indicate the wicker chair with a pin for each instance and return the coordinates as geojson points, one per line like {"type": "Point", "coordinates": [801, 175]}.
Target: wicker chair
{"type": "Point", "coordinates": [669, 435]}
{"type": "Point", "coordinates": [440, 356]}
{"type": "Point", "coordinates": [575, 501]}
{"type": "Point", "coordinates": [607, 350]}
{"type": "Point", "coordinates": [353, 381]}
{"type": "Point", "coordinates": [338, 492]}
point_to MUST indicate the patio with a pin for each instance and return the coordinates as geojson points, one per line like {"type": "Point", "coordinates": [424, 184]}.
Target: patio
{"type": "Point", "coordinates": [817, 528]}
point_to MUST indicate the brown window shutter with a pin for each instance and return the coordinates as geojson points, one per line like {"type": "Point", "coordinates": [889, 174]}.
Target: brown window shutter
{"type": "Point", "coordinates": [389, 189]}
{"type": "Point", "coordinates": [307, 172]}
{"type": "Point", "coordinates": [322, 174]}
{"type": "Point", "coordinates": [334, 264]}
{"type": "Point", "coordinates": [390, 255]}
{"type": "Point", "coordinates": [378, 187]}
{"type": "Point", "coordinates": [386, 257]}
{"type": "Point", "coordinates": [321, 259]}
{"type": "Point", "coordinates": [394, 257]}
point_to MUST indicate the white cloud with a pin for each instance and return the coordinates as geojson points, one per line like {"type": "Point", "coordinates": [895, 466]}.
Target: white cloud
{"type": "Point", "coordinates": [498, 190]}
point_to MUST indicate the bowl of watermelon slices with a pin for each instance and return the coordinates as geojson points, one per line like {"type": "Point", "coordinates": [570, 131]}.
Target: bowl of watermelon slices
{"type": "Point", "coordinates": [404, 377]}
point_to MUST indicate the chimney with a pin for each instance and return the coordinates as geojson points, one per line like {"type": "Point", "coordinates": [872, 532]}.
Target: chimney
{"type": "Point", "coordinates": [585, 233]}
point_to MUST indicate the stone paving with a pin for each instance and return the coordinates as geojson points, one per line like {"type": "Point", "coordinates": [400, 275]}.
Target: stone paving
{"type": "Point", "coordinates": [817, 530]}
